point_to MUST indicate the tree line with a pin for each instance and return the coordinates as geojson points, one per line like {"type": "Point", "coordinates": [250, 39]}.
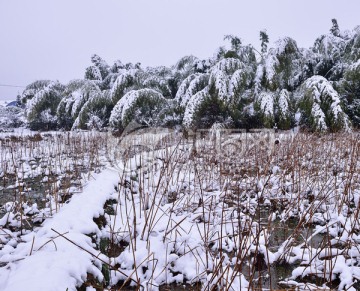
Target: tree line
{"type": "Point", "coordinates": [316, 88]}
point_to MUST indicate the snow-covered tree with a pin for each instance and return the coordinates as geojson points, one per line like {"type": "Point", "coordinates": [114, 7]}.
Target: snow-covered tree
{"type": "Point", "coordinates": [320, 106]}
{"type": "Point", "coordinates": [117, 67]}
{"type": "Point", "coordinates": [264, 39]}
{"type": "Point", "coordinates": [41, 109]}
{"type": "Point", "coordinates": [352, 48]}
{"type": "Point", "coordinates": [335, 28]}
{"type": "Point", "coordinates": [216, 93]}
{"type": "Point", "coordinates": [221, 82]}
{"type": "Point", "coordinates": [266, 104]}
{"type": "Point", "coordinates": [117, 70]}
{"type": "Point", "coordinates": [349, 89]}
{"type": "Point", "coordinates": [145, 106]}
{"type": "Point", "coordinates": [275, 109]}
{"type": "Point", "coordinates": [204, 109]}
{"type": "Point", "coordinates": [222, 90]}
{"type": "Point", "coordinates": [98, 70]}
{"type": "Point", "coordinates": [126, 81]}
{"type": "Point", "coordinates": [283, 111]}
{"type": "Point", "coordinates": [281, 68]}
{"type": "Point", "coordinates": [76, 93]}
{"type": "Point", "coordinates": [190, 86]}
{"type": "Point", "coordinates": [185, 66]}
{"type": "Point", "coordinates": [159, 79]}
{"type": "Point", "coordinates": [95, 113]}
{"type": "Point", "coordinates": [329, 50]}
{"type": "Point", "coordinates": [234, 86]}
{"type": "Point", "coordinates": [32, 89]}
{"type": "Point", "coordinates": [235, 45]}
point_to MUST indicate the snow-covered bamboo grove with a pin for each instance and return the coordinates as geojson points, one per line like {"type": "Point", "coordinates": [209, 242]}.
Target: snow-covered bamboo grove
{"type": "Point", "coordinates": [283, 85]}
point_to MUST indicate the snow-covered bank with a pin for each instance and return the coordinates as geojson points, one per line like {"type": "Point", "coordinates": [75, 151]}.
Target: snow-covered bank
{"type": "Point", "coordinates": [45, 261]}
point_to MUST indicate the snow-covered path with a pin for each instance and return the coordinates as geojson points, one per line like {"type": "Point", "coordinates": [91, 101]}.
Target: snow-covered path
{"type": "Point", "coordinates": [46, 261]}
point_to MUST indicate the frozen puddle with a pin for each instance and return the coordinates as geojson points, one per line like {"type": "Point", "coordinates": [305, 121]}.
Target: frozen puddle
{"type": "Point", "coordinates": [47, 261]}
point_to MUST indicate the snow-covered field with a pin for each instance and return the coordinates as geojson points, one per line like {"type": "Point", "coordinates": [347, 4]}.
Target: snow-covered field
{"type": "Point", "coordinates": [86, 211]}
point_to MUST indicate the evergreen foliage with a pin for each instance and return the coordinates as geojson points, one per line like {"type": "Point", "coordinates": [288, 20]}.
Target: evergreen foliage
{"type": "Point", "coordinates": [76, 94]}
{"type": "Point", "coordinates": [144, 106]}
{"type": "Point", "coordinates": [41, 109]}
{"type": "Point", "coordinates": [32, 89]}
{"type": "Point", "coordinates": [320, 106]}
{"type": "Point", "coordinates": [264, 38]}
{"type": "Point", "coordinates": [349, 89]}
{"type": "Point", "coordinates": [237, 86]}
{"type": "Point", "coordinates": [95, 113]}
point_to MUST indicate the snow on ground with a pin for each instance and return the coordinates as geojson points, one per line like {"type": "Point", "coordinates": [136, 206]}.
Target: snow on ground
{"type": "Point", "coordinates": [181, 214]}
{"type": "Point", "coordinates": [45, 261]}
{"type": "Point", "coordinates": [20, 131]}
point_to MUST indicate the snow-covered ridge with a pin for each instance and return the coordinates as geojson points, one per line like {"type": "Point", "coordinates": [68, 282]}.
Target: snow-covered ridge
{"type": "Point", "coordinates": [45, 261]}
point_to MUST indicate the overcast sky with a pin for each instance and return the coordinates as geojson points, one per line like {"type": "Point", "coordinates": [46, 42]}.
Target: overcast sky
{"type": "Point", "coordinates": [54, 39]}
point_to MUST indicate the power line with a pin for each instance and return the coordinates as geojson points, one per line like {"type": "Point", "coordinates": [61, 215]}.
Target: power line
{"type": "Point", "coordinates": [13, 86]}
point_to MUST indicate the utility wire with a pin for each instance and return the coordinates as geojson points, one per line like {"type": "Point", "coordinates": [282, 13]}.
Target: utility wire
{"type": "Point", "coordinates": [13, 86]}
